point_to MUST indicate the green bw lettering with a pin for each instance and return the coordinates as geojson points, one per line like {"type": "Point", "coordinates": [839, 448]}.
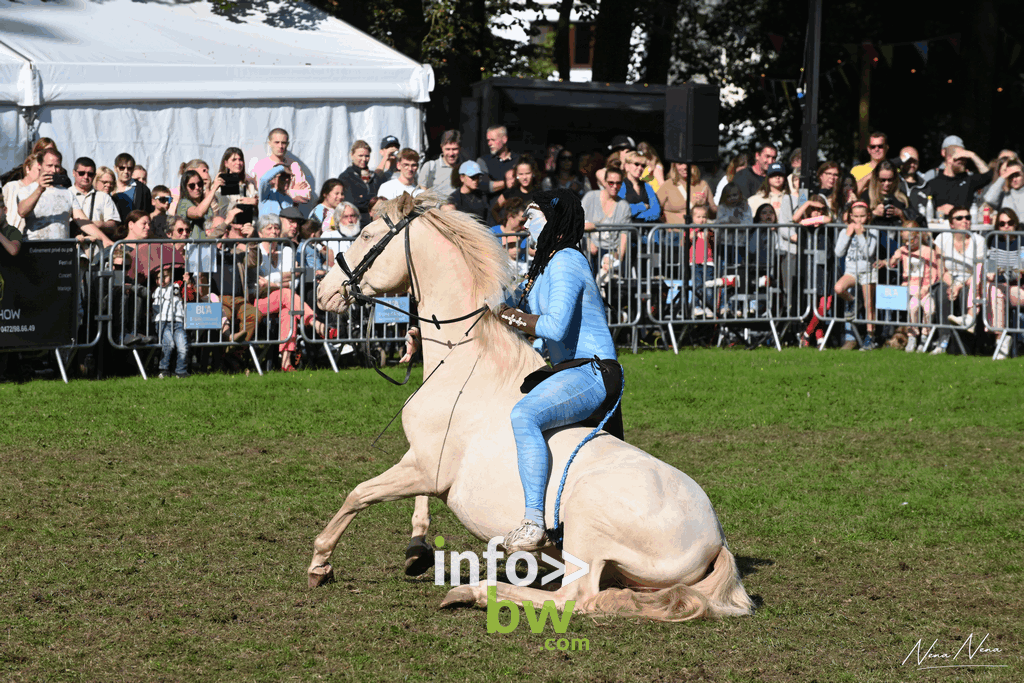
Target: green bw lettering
{"type": "Point", "coordinates": [560, 623]}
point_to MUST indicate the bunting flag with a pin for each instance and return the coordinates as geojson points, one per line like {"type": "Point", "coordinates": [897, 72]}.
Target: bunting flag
{"type": "Point", "coordinates": [776, 41]}
{"type": "Point", "coordinates": [887, 53]}
{"type": "Point", "coordinates": [785, 90]}
{"type": "Point", "coordinates": [842, 72]}
{"type": "Point", "coordinates": [922, 49]}
{"type": "Point", "coordinates": [852, 49]}
{"type": "Point", "coordinates": [954, 40]}
{"type": "Point", "coordinates": [871, 51]}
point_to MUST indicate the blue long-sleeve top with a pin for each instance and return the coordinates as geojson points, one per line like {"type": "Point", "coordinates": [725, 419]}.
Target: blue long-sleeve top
{"type": "Point", "coordinates": [641, 212]}
{"type": "Point", "coordinates": [272, 201]}
{"type": "Point", "coordinates": [311, 258]}
{"type": "Point", "coordinates": [571, 310]}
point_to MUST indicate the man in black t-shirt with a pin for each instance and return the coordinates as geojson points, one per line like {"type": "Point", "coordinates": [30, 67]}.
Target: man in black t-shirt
{"type": "Point", "coordinates": [749, 179]}
{"type": "Point", "coordinates": [954, 186]}
{"type": "Point", "coordinates": [498, 162]}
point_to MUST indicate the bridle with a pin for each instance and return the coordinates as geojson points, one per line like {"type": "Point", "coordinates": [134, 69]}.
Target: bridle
{"type": "Point", "coordinates": [356, 274]}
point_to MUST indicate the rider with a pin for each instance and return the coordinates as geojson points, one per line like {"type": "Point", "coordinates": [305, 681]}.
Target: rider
{"type": "Point", "coordinates": [564, 307]}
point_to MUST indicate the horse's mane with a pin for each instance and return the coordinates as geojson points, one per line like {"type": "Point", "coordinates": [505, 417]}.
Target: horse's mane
{"type": "Point", "coordinates": [493, 272]}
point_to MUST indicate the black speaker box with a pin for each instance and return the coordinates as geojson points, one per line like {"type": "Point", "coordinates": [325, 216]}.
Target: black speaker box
{"type": "Point", "coordinates": [691, 123]}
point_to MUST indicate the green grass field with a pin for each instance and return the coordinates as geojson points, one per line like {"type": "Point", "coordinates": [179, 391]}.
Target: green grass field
{"type": "Point", "coordinates": [160, 531]}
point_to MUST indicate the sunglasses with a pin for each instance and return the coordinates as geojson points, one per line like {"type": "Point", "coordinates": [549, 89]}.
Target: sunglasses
{"type": "Point", "coordinates": [961, 217]}
{"type": "Point", "coordinates": [85, 174]}
{"type": "Point", "coordinates": [876, 146]}
{"type": "Point", "coordinates": [1003, 224]}
{"type": "Point", "coordinates": [613, 183]}
{"type": "Point", "coordinates": [194, 186]}
{"type": "Point", "coordinates": [125, 168]}
{"type": "Point", "coordinates": [179, 231]}
{"type": "Point", "coordinates": [165, 199]}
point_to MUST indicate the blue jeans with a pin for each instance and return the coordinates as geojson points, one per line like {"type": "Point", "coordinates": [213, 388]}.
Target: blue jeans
{"type": "Point", "coordinates": [173, 337]}
{"type": "Point", "coordinates": [701, 296]}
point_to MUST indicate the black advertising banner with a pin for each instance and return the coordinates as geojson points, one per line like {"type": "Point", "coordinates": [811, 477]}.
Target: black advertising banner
{"type": "Point", "coordinates": [39, 295]}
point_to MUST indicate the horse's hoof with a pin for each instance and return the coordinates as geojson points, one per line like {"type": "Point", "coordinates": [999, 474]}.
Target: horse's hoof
{"type": "Point", "coordinates": [460, 596]}
{"type": "Point", "coordinates": [319, 576]}
{"type": "Point", "coordinates": [419, 557]}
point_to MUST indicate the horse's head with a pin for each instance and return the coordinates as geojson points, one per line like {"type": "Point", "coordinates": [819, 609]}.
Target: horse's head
{"type": "Point", "coordinates": [388, 271]}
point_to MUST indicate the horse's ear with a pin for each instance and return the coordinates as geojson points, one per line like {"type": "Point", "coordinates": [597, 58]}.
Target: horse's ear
{"type": "Point", "coordinates": [405, 204]}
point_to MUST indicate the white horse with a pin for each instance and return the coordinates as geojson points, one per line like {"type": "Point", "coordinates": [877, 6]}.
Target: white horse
{"type": "Point", "coordinates": [639, 523]}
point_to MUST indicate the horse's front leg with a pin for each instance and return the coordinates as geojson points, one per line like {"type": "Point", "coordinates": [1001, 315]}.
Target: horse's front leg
{"type": "Point", "coordinates": [401, 481]}
{"type": "Point", "coordinates": [419, 556]}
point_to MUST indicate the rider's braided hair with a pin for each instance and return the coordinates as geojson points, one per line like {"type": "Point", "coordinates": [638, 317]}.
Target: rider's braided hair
{"type": "Point", "coordinates": [564, 229]}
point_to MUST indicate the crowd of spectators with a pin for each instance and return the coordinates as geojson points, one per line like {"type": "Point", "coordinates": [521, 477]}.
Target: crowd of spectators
{"type": "Point", "coordinates": [925, 227]}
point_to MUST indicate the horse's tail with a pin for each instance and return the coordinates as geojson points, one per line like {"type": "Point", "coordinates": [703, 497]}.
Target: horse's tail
{"type": "Point", "coordinates": [719, 594]}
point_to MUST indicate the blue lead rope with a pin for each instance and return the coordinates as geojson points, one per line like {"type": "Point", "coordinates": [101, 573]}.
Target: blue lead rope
{"type": "Point", "coordinates": [557, 533]}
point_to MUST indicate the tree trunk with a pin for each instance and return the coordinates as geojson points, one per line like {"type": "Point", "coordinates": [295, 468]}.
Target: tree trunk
{"type": "Point", "coordinates": [661, 29]}
{"type": "Point", "coordinates": [563, 59]}
{"type": "Point", "coordinates": [612, 33]}
{"type": "Point", "coordinates": [978, 50]}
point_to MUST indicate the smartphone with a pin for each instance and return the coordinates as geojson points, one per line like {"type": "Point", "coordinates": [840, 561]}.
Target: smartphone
{"type": "Point", "coordinates": [244, 216]}
{"type": "Point", "coordinates": [232, 183]}
{"type": "Point", "coordinates": [60, 180]}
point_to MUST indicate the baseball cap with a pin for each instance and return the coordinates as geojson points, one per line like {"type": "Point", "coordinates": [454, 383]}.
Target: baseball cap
{"type": "Point", "coordinates": [389, 141]}
{"type": "Point", "coordinates": [292, 213]}
{"type": "Point", "coordinates": [470, 168]}
{"type": "Point", "coordinates": [622, 142]}
{"type": "Point", "coordinates": [775, 169]}
{"type": "Point", "coordinates": [951, 140]}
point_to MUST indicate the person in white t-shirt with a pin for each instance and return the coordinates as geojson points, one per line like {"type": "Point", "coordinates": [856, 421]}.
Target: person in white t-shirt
{"type": "Point", "coordinates": [98, 206]}
{"type": "Point", "coordinates": [405, 181]}
{"type": "Point", "coordinates": [48, 211]}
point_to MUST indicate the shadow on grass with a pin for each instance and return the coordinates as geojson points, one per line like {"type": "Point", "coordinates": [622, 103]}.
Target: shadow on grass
{"type": "Point", "coordinates": [748, 566]}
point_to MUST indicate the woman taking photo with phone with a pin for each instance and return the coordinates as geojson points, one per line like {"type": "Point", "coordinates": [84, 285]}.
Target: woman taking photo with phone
{"type": "Point", "coordinates": [196, 204]}
{"type": "Point", "coordinates": [236, 188]}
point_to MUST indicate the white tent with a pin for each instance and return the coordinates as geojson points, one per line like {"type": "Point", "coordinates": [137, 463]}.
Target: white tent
{"type": "Point", "coordinates": [169, 81]}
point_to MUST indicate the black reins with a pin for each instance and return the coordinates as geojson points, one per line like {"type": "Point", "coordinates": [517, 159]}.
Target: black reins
{"type": "Point", "coordinates": [356, 275]}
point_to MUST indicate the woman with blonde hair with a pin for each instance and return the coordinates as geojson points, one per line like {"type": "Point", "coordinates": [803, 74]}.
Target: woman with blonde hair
{"type": "Point", "coordinates": [105, 180]}
{"type": "Point", "coordinates": [654, 173]}
{"type": "Point", "coordinates": [643, 201]}
{"type": "Point", "coordinates": [683, 180]}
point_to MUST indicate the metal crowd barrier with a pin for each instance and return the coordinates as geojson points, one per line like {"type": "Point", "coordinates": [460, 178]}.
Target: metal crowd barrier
{"type": "Point", "coordinates": [730, 275]}
{"type": "Point", "coordinates": [661, 275]}
{"type": "Point", "coordinates": [904, 285]}
{"type": "Point", "coordinates": [1002, 300]}
{"type": "Point", "coordinates": [261, 310]}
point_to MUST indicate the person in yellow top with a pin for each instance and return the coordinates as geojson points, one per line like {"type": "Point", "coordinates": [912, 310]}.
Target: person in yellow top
{"type": "Point", "coordinates": [654, 172]}
{"type": "Point", "coordinates": [878, 147]}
